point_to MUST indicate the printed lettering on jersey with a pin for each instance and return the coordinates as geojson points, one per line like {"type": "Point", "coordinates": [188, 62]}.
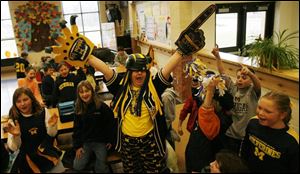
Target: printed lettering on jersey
{"type": "Point", "coordinates": [20, 67]}
{"type": "Point", "coordinates": [66, 84]}
{"type": "Point", "coordinates": [262, 148]}
{"type": "Point", "coordinates": [240, 107]}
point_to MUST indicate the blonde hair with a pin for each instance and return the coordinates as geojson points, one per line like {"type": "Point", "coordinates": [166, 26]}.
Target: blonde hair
{"type": "Point", "coordinates": [282, 102]}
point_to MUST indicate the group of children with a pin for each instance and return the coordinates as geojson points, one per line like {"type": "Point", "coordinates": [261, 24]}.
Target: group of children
{"type": "Point", "coordinates": [264, 143]}
{"type": "Point", "coordinates": [135, 122]}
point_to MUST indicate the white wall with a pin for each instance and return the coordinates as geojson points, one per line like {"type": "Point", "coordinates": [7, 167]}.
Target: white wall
{"type": "Point", "coordinates": [287, 17]}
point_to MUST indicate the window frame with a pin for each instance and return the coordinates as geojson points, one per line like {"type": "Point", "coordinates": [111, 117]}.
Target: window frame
{"type": "Point", "coordinates": [9, 38]}
{"type": "Point", "coordinates": [81, 14]}
{"type": "Point", "coordinates": [242, 9]}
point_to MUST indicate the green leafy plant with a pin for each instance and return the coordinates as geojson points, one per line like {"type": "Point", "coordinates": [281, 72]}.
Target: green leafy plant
{"type": "Point", "coordinates": [275, 52]}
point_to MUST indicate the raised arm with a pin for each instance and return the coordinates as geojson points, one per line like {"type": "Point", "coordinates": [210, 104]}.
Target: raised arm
{"type": "Point", "coordinates": [77, 50]}
{"type": "Point", "coordinates": [210, 89]}
{"type": "Point", "coordinates": [99, 65]}
{"type": "Point", "coordinates": [255, 80]}
{"type": "Point", "coordinates": [171, 65]}
{"type": "Point", "coordinates": [220, 66]}
{"type": "Point", "coordinates": [209, 122]}
{"type": "Point", "coordinates": [189, 41]}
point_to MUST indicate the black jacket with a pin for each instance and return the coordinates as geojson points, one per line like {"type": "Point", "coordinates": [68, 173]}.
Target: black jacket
{"type": "Point", "coordinates": [48, 89]}
{"type": "Point", "coordinates": [97, 125]}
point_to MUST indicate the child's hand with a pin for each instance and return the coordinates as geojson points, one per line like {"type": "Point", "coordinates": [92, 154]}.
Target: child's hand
{"type": "Point", "coordinates": [43, 104]}
{"type": "Point", "coordinates": [215, 52]}
{"type": "Point", "coordinates": [14, 130]}
{"type": "Point", "coordinates": [79, 153]}
{"type": "Point", "coordinates": [180, 132]}
{"type": "Point", "coordinates": [218, 83]}
{"type": "Point", "coordinates": [213, 83]}
{"type": "Point", "coordinates": [245, 70]}
{"type": "Point", "coordinates": [52, 120]}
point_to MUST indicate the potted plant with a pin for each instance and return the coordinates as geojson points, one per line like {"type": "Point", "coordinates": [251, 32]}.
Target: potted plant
{"type": "Point", "coordinates": [274, 52]}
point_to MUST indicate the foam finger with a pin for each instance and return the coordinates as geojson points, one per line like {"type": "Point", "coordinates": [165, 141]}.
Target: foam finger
{"type": "Point", "coordinates": [202, 17]}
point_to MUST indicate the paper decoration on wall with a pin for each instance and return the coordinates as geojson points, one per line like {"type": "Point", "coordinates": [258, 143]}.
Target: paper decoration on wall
{"type": "Point", "coordinates": [36, 21]}
{"type": "Point", "coordinates": [7, 54]}
{"type": "Point", "coordinates": [154, 20]}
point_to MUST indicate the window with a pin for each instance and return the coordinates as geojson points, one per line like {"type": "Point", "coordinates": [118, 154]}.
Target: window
{"type": "Point", "coordinates": [226, 26]}
{"type": "Point", "coordinates": [8, 42]}
{"type": "Point", "coordinates": [240, 24]}
{"type": "Point", "coordinates": [88, 22]}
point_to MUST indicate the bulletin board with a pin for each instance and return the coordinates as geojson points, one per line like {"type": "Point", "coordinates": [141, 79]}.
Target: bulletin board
{"type": "Point", "coordinates": [36, 21]}
{"type": "Point", "coordinates": [154, 22]}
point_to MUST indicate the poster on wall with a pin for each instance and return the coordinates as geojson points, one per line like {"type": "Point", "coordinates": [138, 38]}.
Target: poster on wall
{"type": "Point", "coordinates": [154, 22]}
{"type": "Point", "coordinates": [164, 8]}
{"type": "Point", "coordinates": [150, 28]}
{"type": "Point", "coordinates": [142, 21]}
{"type": "Point", "coordinates": [109, 35]}
{"type": "Point", "coordinates": [156, 8]}
{"type": "Point", "coordinates": [161, 29]}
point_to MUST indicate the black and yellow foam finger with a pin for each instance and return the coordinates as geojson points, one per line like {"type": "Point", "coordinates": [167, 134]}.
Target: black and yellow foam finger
{"type": "Point", "coordinates": [73, 48]}
{"type": "Point", "coordinates": [74, 27]}
{"type": "Point", "coordinates": [192, 38]}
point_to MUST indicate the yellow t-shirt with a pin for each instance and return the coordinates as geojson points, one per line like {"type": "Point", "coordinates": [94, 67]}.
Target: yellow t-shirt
{"type": "Point", "coordinates": [137, 126]}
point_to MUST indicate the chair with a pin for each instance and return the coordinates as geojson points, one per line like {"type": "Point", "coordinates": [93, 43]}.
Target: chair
{"type": "Point", "coordinates": [66, 111]}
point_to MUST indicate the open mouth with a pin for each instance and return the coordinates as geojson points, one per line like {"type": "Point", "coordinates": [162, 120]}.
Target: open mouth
{"type": "Point", "coordinates": [23, 109]}
{"type": "Point", "coordinates": [261, 119]}
{"type": "Point", "coordinates": [85, 98]}
{"type": "Point", "coordinates": [139, 79]}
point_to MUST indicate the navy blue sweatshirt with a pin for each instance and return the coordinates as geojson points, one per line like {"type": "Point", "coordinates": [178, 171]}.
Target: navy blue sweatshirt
{"type": "Point", "coordinates": [97, 125]}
